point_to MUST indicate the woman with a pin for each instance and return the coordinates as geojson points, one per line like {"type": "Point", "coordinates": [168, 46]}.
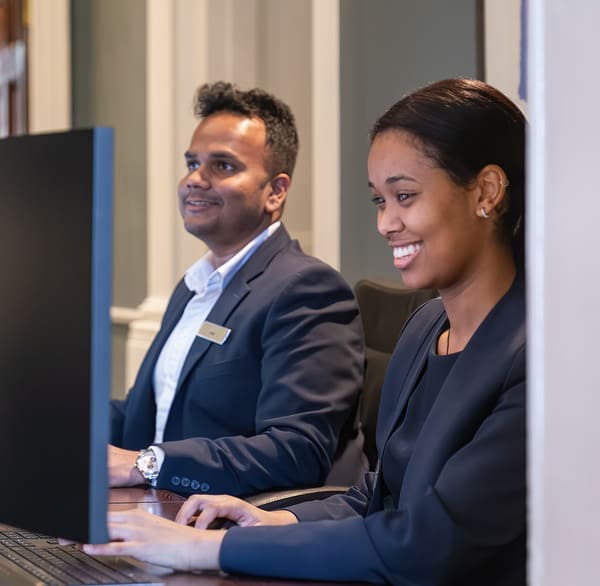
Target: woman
{"type": "Point", "coordinates": [447, 503]}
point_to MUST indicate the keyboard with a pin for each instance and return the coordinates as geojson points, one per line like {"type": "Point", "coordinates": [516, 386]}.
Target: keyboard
{"type": "Point", "coordinates": [29, 558]}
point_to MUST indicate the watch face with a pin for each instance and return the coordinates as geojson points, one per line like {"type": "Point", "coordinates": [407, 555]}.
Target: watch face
{"type": "Point", "coordinates": [146, 464]}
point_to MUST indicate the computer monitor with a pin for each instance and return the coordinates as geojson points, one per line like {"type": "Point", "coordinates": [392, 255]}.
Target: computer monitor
{"type": "Point", "coordinates": [55, 291]}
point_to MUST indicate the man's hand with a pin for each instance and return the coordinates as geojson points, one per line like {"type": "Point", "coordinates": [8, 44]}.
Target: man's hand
{"type": "Point", "coordinates": [158, 541]}
{"type": "Point", "coordinates": [121, 467]}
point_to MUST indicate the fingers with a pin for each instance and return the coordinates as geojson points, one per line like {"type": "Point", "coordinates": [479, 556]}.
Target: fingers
{"type": "Point", "coordinates": [188, 510]}
{"type": "Point", "coordinates": [159, 541]}
{"type": "Point", "coordinates": [112, 548]}
{"type": "Point", "coordinates": [193, 505]}
{"type": "Point", "coordinates": [123, 529]}
{"type": "Point", "coordinates": [208, 508]}
{"type": "Point", "coordinates": [132, 524]}
{"type": "Point", "coordinates": [206, 517]}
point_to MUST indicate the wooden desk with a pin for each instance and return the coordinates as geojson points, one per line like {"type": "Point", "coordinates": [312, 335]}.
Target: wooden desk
{"type": "Point", "coordinates": [166, 504]}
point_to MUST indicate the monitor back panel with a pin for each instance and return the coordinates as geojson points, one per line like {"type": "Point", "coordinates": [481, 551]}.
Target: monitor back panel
{"type": "Point", "coordinates": [55, 290]}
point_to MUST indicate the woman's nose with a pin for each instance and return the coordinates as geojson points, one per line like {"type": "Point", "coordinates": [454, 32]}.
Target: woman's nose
{"type": "Point", "coordinates": [388, 222]}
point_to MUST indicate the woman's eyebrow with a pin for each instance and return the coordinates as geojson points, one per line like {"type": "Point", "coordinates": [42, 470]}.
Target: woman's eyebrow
{"type": "Point", "coordinates": [395, 179]}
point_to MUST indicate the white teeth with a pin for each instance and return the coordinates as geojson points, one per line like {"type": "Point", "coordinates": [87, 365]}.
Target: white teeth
{"type": "Point", "coordinates": [402, 251]}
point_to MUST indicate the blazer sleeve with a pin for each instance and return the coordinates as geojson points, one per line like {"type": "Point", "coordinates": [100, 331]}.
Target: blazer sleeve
{"type": "Point", "coordinates": [354, 502]}
{"type": "Point", "coordinates": [311, 376]}
{"type": "Point", "coordinates": [474, 506]}
{"type": "Point", "coordinates": [117, 421]}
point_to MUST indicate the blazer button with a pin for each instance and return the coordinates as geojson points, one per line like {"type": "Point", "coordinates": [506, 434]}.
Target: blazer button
{"type": "Point", "coordinates": [185, 482]}
{"type": "Point", "coordinates": [195, 485]}
{"type": "Point", "coordinates": [175, 481]}
{"type": "Point", "coordinates": [205, 487]}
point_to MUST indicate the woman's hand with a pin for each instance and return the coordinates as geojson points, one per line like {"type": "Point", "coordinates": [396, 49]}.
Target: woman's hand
{"type": "Point", "coordinates": [211, 507]}
{"type": "Point", "coordinates": [159, 541]}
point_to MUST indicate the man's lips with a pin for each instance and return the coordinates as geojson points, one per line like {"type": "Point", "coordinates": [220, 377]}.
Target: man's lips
{"type": "Point", "coordinates": [197, 202]}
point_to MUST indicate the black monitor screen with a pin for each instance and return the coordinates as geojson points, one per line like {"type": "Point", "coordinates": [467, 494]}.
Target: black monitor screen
{"type": "Point", "coordinates": [55, 290]}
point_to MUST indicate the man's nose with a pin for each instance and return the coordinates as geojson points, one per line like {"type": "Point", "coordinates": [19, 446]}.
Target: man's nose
{"type": "Point", "coordinates": [198, 178]}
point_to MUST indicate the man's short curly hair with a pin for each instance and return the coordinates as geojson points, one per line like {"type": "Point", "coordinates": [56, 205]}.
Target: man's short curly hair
{"type": "Point", "coordinates": [282, 136]}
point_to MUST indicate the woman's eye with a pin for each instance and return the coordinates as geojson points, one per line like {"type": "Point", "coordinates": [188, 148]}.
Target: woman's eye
{"type": "Point", "coordinates": [404, 197]}
{"type": "Point", "coordinates": [377, 200]}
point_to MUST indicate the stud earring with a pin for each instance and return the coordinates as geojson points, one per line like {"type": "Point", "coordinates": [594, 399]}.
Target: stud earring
{"type": "Point", "coordinates": [505, 184]}
{"type": "Point", "coordinates": [482, 213]}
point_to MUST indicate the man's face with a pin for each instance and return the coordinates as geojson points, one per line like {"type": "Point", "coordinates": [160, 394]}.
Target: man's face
{"type": "Point", "coordinates": [227, 197]}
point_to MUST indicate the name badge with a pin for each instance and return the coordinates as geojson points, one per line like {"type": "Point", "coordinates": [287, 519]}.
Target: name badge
{"type": "Point", "coordinates": [213, 332]}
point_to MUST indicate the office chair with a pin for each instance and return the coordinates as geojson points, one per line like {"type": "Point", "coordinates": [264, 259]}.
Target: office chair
{"type": "Point", "coordinates": [384, 307]}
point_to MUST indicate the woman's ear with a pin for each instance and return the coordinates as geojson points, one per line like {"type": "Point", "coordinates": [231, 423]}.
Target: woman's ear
{"type": "Point", "coordinates": [492, 182]}
{"type": "Point", "coordinates": [278, 187]}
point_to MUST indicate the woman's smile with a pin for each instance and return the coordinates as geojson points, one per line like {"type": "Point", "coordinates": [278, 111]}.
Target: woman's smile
{"type": "Point", "coordinates": [404, 255]}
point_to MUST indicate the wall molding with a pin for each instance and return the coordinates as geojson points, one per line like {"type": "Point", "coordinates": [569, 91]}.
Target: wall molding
{"type": "Point", "coordinates": [124, 315]}
{"type": "Point", "coordinates": [49, 66]}
{"type": "Point", "coordinates": [325, 148]}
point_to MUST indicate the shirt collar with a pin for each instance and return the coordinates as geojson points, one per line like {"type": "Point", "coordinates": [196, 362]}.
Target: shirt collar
{"type": "Point", "coordinates": [202, 276]}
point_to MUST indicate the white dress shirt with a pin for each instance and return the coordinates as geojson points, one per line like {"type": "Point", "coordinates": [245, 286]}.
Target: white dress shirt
{"type": "Point", "coordinates": [207, 284]}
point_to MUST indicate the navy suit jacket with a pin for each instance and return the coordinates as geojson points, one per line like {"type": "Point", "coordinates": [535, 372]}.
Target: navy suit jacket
{"type": "Point", "coordinates": [264, 410]}
{"type": "Point", "coordinates": [460, 517]}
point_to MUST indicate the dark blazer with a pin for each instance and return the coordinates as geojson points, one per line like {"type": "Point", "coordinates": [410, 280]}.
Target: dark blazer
{"type": "Point", "coordinates": [265, 409]}
{"type": "Point", "coordinates": [460, 517]}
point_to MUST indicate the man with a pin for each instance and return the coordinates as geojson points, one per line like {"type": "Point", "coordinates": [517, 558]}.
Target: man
{"type": "Point", "coordinates": [255, 373]}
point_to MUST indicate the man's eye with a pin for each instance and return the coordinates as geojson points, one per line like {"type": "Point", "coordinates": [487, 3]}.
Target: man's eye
{"type": "Point", "coordinates": [224, 166]}
{"type": "Point", "coordinates": [192, 165]}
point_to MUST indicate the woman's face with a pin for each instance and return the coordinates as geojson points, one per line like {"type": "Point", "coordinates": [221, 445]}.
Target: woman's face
{"type": "Point", "coordinates": [429, 222]}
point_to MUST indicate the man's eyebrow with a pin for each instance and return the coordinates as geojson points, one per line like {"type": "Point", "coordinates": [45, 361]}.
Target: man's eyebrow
{"type": "Point", "coordinates": [213, 155]}
{"type": "Point", "coordinates": [395, 179]}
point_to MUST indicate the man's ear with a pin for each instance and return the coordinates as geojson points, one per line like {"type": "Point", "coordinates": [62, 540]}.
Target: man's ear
{"type": "Point", "coordinates": [492, 183]}
{"type": "Point", "coordinates": [278, 187]}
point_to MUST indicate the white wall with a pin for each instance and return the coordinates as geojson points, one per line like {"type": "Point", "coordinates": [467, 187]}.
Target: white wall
{"type": "Point", "coordinates": [564, 280]}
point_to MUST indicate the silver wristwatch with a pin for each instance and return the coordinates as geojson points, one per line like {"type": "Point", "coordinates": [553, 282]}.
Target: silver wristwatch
{"type": "Point", "coordinates": [147, 465]}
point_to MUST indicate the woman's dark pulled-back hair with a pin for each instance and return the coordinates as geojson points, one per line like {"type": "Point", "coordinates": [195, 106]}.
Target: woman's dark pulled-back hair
{"type": "Point", "coordinates": [464, 125]}
{"type": "Point", "coordinates": [282, 136]}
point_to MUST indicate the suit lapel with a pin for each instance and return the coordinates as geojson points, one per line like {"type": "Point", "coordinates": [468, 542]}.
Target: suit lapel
{"type": "Point", "coordinates": [489, 340]}
{"type": "Point", "coordinates": [225, 305]}
{"type": "Point", "coordinates": [496, 336]}
{"type": "Point", "coordinates": [234, 293]}
{"type": "Point", "coordinates": [180, 300]}
{"type": "Point", "coordinates": [139, 429]}
{"type": "Point", "coordinates": [181, 297]}
{"type": "Point", "coordinates": [405, 373]}
{"type": "Point", "coordinates": [482, 358]}
{"type": "Point", "coordinates": [459, 397]}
